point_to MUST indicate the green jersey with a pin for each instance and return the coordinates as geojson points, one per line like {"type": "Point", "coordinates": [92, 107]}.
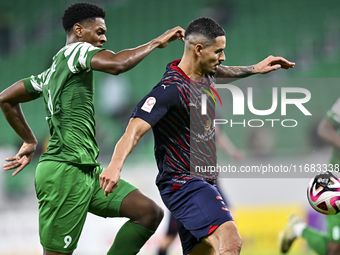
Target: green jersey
{"type": "Point", "coordinates": [333, 116]}
{"type": "Point", "coordinates": [68, 92]}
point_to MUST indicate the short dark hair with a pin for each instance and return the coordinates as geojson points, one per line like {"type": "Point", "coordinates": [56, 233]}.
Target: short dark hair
{"type": "Point", "coordinates": [79, 12]}
{"type": "Point", "coordinates": [204, 26]}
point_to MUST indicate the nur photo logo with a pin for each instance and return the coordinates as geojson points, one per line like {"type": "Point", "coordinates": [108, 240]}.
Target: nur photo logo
{"type": "Point", "coordinates": [288, 96]}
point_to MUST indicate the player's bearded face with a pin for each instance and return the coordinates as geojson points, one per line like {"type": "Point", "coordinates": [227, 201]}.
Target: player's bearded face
{"type": "Point", "coordinates": [213, 55]}
{"type": "Point", "coordinates": [93, 32]}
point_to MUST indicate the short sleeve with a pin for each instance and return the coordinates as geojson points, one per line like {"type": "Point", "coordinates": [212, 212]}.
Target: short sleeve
{"type": "Point", "coordinates": [32, 88]}
{"type": "Point", "coordinates": [157, 103]}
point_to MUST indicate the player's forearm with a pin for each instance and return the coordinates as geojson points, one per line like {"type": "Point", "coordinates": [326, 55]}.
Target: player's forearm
{"type": "Point", "coordinates": [16, 119]}
{"type": "Point", "coordinates": [10, 100]}
{"type": "Point", "coordinates": [116, 63]}
{"type": "Point", "coordinates": [122, 150]}
{"type": "Point", "coordinates": [234, 72]}
{"type": "Point", "coordinates": [134, 131]}
{"type": "Point", "coordinates": [134, 56]}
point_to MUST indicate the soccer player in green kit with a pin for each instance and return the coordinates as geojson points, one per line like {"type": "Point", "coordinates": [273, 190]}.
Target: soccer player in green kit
{"type": "Point", "coordinates": [322, 243]}
{"type": "Point", "coordinates": [67, 176]}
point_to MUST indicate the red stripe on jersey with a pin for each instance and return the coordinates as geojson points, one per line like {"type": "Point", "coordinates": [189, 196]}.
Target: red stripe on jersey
{"type": "Point", "coordinates": [183, 95]}
{"type": "Point", "coordinates": [173, 164]}
{"type": "Point", "coordinates": [170, 131]}
{"type": "Point", "coordinates": [179, 156]}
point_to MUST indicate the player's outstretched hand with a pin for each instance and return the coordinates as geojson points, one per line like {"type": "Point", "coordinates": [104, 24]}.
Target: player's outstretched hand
{"type": "Point", "coordinates": [109, 180]}
{"type": "Point", "coordinates": [22, 159]}
{"type": "Point", "coordinates": [171, 35]}
{"type": "Point", "coordinates": [272, 63]}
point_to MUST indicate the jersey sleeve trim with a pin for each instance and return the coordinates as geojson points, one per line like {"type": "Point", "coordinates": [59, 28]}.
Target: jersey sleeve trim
{"type": "Point", "coordinates": [145, 119]}
{"type": "Point", "coordinates": [34, 92]}
{"type": "Point", "coordinates": [90, 56]}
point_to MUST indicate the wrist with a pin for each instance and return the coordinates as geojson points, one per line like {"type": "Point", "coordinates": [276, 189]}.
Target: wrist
{"type": "Point", "coordinates": [116, 166]}
{"type": "Point", "coordinates": [254, 69]}
{"type": "Point", "coordinates": [31, 141]}
{"type": "Point", "coordinates": [154, 43]}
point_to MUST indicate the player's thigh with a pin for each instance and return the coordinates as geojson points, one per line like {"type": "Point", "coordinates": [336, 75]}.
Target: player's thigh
{"type": "Point", "coordinates": [64, 196]}
{"type": "Point", "coordinates": [142, 210]}
{"type": "Point", "coordinates": [109, 206]}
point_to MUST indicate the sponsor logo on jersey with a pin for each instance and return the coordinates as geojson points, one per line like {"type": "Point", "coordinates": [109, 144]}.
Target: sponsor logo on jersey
{"type": "Point", "coordinates": [207, 124]}
{"type": "Point", "coordinates": [149, 104]}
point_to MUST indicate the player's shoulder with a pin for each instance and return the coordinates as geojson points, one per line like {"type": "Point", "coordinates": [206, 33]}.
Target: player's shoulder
{"type": "Point", "coordinates": [167, 87]}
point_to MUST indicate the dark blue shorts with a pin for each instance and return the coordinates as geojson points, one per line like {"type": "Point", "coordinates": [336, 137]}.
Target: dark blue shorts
{"type": "Point", "coordinates": [199, 208]}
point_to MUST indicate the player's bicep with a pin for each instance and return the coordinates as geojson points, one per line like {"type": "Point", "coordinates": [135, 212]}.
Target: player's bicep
{"type": "Point", "coordinates": [108, 62]}
{"type": "Point", "coordinates": [138, 127]}
{"type": "Point", "coordinates": [15, 94]}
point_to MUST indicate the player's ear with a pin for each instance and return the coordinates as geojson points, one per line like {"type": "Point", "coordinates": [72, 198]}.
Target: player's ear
{"type": "Point", "coordinates": [78, 30]}
{"type": "Point", "coordinates": [198, 49]}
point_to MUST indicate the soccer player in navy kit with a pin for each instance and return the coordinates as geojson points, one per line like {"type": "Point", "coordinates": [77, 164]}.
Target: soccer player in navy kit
{"type": "Point", "coordinates": [184, 139]}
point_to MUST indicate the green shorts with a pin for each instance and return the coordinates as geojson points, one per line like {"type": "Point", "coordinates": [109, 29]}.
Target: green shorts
{"type": "Point", "coordinates": [66, 193]}
{"type": "Point", "coordinates": [333, 227]}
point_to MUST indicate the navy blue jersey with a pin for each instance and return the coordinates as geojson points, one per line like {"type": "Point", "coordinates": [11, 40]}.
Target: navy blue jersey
{"type": "Point", "coordinates": [184, 138]}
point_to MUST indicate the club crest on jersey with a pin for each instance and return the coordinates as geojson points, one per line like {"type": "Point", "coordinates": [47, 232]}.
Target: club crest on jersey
{"type": "Point", "coordinates": [149, 104]}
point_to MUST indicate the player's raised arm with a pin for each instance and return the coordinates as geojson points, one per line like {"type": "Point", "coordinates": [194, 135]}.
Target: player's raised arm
{"type": "Point", "coordinates": [109, 178]}
{"type": "Point", "coordinates": [267, 65]}
{"type": "Point", "coordinates": [116, 63]}
{"type": "Point", "coordinates": [10, 100]}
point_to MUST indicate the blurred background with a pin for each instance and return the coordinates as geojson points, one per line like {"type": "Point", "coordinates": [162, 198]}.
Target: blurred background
{"type": "Point", "coordinates": [306, 32]}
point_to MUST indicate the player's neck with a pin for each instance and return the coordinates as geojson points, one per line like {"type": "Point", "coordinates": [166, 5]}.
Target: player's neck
{"type": "Point", "coordinates": [71, 38]}
{"type": "Point", "coordinates": [189, 67]}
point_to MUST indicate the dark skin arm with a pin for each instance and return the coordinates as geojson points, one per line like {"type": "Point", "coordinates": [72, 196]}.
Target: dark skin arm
{"type": "Point", "coordinates": [265, 66]}
{"type": "Point", "coordinates": [10, 100]}
{"type": "Point", "coordinates": [116, 63]}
